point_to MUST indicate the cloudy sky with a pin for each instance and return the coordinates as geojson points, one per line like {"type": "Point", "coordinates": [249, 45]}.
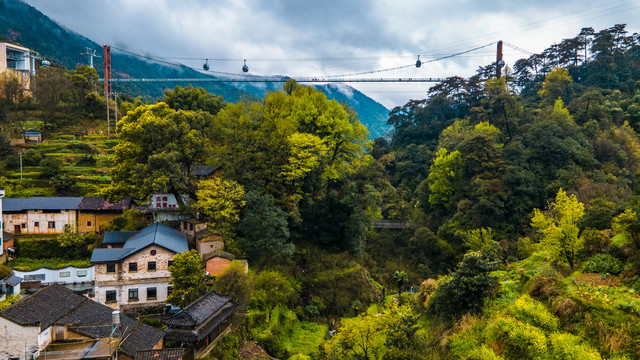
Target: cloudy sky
{"type": "Point", "coordinates": [323, 38]}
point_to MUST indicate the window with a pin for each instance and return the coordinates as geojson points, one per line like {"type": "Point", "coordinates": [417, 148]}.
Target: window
{"type": "Point", "coordinates": [64, 274]}
{"type": "Point", "coordinates": [88, 223]}
{"type": "Point", "coordinates": [23, 225]}
{"type": "Point", "coordinates": [111, 295]}
{"type": "Point", "coordinates": [152, 266]}
{"type": "Point", "coordinates": [36, 223]}
{"type": "Point", "coordinates": [153, 252]}
{"type": "Point", "coordinates": [111, 267]}
{"type": "Point", "coordinates": [34, 277]}
{"type": "Point", "coordinates": [133, 267]}
{"type": "Point", "coordinates": [169, 290]}
{"type": "Point", "coordinates": [51, 225]}
{"type": "Point", "coordinates": [190, 226]}
{"type": "Point", "coordinates": [152, 293]}
{"type": "Point", "coordinates": [170, 263]}
{"type": "Point", "coordinates": [81, 273]}
{"type": "Point", "coordinates": [133, 294]}
{"type": "Point", "coordinates": [185, 226]}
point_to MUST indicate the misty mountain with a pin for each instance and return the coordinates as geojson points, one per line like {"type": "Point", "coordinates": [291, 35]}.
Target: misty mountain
{"type": "Point", "coordinates": [23, 24]}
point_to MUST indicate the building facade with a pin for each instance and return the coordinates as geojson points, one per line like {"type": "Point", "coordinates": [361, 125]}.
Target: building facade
{"type": "Point", "coordinates": [137, 274]}
{"type": "Point", "coordinates": [15, 61]}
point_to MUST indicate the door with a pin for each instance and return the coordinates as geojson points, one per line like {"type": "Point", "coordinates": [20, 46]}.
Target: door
{"type": "Point", "coordinates": [17, 230]}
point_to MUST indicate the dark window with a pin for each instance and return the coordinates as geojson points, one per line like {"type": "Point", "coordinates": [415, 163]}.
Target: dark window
{"type": "Point", "coordinates": [133, 294]}
{"type": "Point", "coordinates": [164, 198]}
{"type": "Point", "coordinates": [111, 295]}
{"type": "Point", "coordinates": [169, 290]}
{"type": "Point", "coordinates": [24, 225]}
{"type": "Point", "coordinates": [51, 225]}
{"type": "Point", "coordinates": [111, 267]}
{"type": "Point", "coordinates": [190, 226]}
{"type": "Point", "coordinates": [88, 223]}
{"type": "Point", "coordinates": [185, 226]}
{"type": "Point", "coordinates": [152, 266]}
{"type": "Point", "coordinates": [170, 262]}
{"type": "Point", "coordinates": [36, 223]}
{"type": "Point", "coordinates": [152, 293]}
{"type": "Point", "coordinates": [153, 252]}
{"type": "Point", "coordinates": [133, 267]}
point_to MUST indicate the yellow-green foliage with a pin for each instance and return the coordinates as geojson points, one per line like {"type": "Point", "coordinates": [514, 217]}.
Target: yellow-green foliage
{"type": "Point", "coordinates": [533, 312]}
{"type": "Point", "coordinates": [483, 353]}
{"type": "Point", "coordinates": [570, 347]}
{"type": "Point", "coordinates": [520, 340]}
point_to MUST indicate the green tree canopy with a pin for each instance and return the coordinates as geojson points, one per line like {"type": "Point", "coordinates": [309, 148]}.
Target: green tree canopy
{"type": "Point", "coordinates": [187, 278]}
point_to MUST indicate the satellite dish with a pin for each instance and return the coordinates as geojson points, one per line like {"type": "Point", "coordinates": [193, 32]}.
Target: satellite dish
{"type": "Point", "coordinates": [46, 63]}
{"type": "Point", "coordinates": [206, 65]}
{"type": "Point", "coordinates": [245, 68]}
{"type": "Point", "coordinates": [418, 62]}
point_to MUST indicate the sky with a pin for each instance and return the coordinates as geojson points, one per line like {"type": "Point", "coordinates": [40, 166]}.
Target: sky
{"type": "Point", "coordinates": [301, 38]}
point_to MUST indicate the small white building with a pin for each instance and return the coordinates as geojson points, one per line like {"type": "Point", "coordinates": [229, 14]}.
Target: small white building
{"type": "Point", "coordinates": [164, 207]}
{"type": "Point", "coordinates": [67, 275]}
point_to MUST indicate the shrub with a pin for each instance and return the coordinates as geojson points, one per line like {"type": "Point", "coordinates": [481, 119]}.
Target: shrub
{"type": "Point", "coordinates": [570, 347]}
{"type": "Point", "coordinates": [86, 160]}
{"type": "Point", "coordinates": [4, 271]}
{"type": "Point", "coordinates": [603, 264]}
{"type": "Point", "coordinates": [520, 340]}
{"type": "Point", "coordinates": [226, 348]}
{"type": "Point", "coordinates": [533, 312]}
{"type": "Point", "coordinates": [31, 157]}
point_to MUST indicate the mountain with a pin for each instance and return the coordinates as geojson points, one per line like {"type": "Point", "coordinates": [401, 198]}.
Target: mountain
{"type": "Point", "coordinates": [23, 24]}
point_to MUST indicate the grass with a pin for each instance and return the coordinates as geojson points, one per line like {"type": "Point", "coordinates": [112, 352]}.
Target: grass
{"type": "Point", "coordinates": [305, 338]}
{"type": "Point", "coordinates": [26, 264]}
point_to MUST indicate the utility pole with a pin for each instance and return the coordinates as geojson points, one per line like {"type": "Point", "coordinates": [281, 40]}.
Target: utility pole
{"type": "Point", "coordinates": [499, 61]}
{"type": "Point", "coordinates": [106, 52]}
{"type": "Point", "coordinates": [20, 155]}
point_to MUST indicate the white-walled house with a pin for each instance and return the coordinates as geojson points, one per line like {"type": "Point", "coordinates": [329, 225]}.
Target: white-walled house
{"type": "Point", "coordinates": [137, 274]}
{"type": "Point", "coordinates": [39, 215]}
{"type": "Point", "coordinates": [67, 275]}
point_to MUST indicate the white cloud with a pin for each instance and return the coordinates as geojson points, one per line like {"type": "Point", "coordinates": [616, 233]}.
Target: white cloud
{"type": "Point", "coordinates": [343, 36]}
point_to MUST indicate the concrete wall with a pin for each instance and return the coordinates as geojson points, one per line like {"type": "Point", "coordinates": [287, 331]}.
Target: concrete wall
{"type": "Point", "coordinates": [24, 69]}
{"type": "Point", "coordinates": [30, 218]}
{"type": "Point", "coordinates": [123, 280]}
{"type": "Point", "coordinates": [13, 338]}
{"type": "Point", "coordinates": [58, 275]}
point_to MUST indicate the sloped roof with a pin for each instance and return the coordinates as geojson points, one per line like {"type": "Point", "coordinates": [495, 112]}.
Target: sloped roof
{"type": "Point", "coordinates": [161, 354]}
{"type": "Point", "coordinates": [158, 234]}
{"type": "Point", "coordinates": [94, 320]}
{"type": "Point", "coordinates": [94, 203]}
{"type": "Point", "coordinates": [41, 203]}
{"type": "Point", "coordinates": [203, 170]}
{"type": "Point", "coordinates": [12, 280]}
{"type": "Point", "coordinates": [200, 332]}
{"type": "Point", "coordinates": [117, 237]}
{"type": "Point", "coordinates": [6, 236]}
{"type": "Point", "coordinates": [43, 308]}
{"type": "Point", "coordinates": [110, 255]}
{"type": "Point", "coordinates": [199, 311]}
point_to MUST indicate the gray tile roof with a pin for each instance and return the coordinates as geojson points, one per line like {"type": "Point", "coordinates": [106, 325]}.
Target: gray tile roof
{"type": "Point", "coordinates": [200, 310]}
{"type": "Point", "coordinates": [57, 305]}
{"type": "Point", "coordinates": [44, 307]}
{"type": "Point", "coordinates": [117, 237]}
{"type": "Point", "coordinates": [12, 280]}
{"type": "Point", "coordinates": [158, 234]}
{"type": "Point", "coordinates": [162, 354]}
{"type": "Point", "coordinates": [97, 204]}
{"type": "Point", "coordinates": [40, 203]}
{"type": "Point", "coordinates": [93, 320]}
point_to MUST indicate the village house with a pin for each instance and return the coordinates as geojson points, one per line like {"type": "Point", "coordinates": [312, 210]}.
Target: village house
{"type": "Point", "coordinates": [200, 323]}
{"type": "Point", "coordinates": [39, 215]}
{"type": "Point", "coordinates": [51, 215]}
{"type": "Point", "coordinates": [134, 273]}
{"type": "Point", "coordinates": [57, 321]}
{"type": "Point", "coordinates": [94, 212]}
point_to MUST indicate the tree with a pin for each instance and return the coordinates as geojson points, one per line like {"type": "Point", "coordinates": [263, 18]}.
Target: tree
{"type": "Point", "coordinates": [470, 284]}
{"type": "Point", "coordinates": [558, 84]}
{"type": "Point", "coordinates": [358, 339]}
{"type": "Point", "coordinates": [265, 228]}
{"type": "Point", "coordinates": [559, 230]}
{"type": "Point", "coordinates": [400, 278]}
{"type": "Point", "coordinates": [220, 201]}
{"type": "Point", "coordinates": [70, 237]}
{"type": "Point", "coordinates": [627, 223]}
{"type": "Point", "coordinates": [157, 150]}
{"type": "Point", "coordinates": [187, 278]}
{"type": "Point", "coordinates": [191, 98]}
{"type": "Point", "coordinates": [50, 87]}
{"type": "Point", "coordinates": [444, 177]}
{"type": "Point", "coordinates": [235, 282]}
{"type": "Point", "coordinates": [271, 289]}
